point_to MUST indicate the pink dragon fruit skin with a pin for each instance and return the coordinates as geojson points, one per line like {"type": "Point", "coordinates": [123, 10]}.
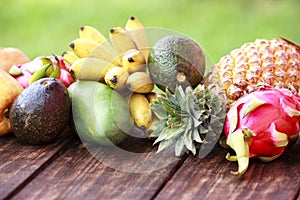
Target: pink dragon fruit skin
{"type": "Point", "coordinates": [27, 70]}
{"type": "Point", "coordinates": [66, 77]}
{"type": "Point", "coordinates": [262, 125]}
{"type": "Point", "coordinates": [23, 79]}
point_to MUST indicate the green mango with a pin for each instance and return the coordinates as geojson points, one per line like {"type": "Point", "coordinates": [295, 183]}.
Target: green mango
{"type": "Point", "coordinates": [100, 114]}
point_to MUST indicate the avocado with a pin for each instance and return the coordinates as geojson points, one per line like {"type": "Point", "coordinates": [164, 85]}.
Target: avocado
{"type": "Point", "coordinates": [176, 60]}
{"type": "Point", "coordinates": [41, 112]}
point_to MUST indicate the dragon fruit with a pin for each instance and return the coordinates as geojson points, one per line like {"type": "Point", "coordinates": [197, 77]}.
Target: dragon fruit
{"type": "Point", "coordinates": [56, 68]}
{"type": "Point", "coordinates": [262, 125]}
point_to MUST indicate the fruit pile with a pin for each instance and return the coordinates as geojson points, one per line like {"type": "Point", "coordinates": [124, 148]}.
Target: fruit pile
{"type": "Point", "coordinates": [119, 62]}
{"type": "Point", "coordinates": [112, 86]}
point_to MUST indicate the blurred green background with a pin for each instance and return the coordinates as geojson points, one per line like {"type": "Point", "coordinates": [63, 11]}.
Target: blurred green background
{"type": "Point", "coordinates": [45, 27]}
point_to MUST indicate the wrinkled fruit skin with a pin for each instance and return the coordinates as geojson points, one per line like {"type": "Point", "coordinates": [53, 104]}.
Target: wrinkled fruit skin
{"type": "Point", "coordinates": [41, 112]}
{"type": "Point", "coordinates": [262, 124]}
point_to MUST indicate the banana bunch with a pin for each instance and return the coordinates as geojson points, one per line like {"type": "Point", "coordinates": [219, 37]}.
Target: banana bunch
{"type": "Point", "coordinates": [120, 62]}
{"type": "Point", "coordinates": [141, 113]}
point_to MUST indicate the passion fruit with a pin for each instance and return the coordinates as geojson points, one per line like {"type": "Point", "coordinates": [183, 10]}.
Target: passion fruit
{"type": "Point", "coordinates": [41, 112]}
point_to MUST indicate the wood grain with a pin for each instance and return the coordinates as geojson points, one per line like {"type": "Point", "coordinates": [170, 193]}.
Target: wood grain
{"type": "Point", "coordinates": [210, 178]}
{"type": "Point", "coordinates": [69, 170]}
{"type": "Point", "coordinates": [20, 163]}
{"type": "Point", "coordinates": [76, 174]}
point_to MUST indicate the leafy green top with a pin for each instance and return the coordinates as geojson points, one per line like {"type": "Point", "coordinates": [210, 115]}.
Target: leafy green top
{"type": "Point", "coordinates": [190, 119]}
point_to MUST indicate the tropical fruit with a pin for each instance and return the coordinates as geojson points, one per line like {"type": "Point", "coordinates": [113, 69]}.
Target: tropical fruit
{"type": "Point", "coordinates": [41, 112]}
{"type": "Point", "coordinates": [262, 124]}
{"type": "Point", "coordinates": [176, 60]}
{"type": "Point", "coordinates": [100, 114]}
{"type": "Point", "coordinates": [118, 62]}
{"type": "Point", "coordinates": [189, 120]}
{"type": "Point", "coordinates": [274, 62]}
{"type": "Point", "coordinates": [9, 91]}
{"type": "Point", "coordinates": [10, 56]}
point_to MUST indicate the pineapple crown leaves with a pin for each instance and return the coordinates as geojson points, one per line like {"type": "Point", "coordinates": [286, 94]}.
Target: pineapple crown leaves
{"type": "Point", "coordinates": [189, 119]}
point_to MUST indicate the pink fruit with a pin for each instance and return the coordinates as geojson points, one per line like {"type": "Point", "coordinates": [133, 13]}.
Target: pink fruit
{"type": "Point", "coordinates": [23, 72]}
{"type": "Point", "coordinates": [262, 125]}
{"type": "Point", "coordinates": [66, 77]}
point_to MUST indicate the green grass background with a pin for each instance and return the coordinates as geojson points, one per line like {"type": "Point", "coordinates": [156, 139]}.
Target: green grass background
{"type": "Point", "coordinates": [47, 27]}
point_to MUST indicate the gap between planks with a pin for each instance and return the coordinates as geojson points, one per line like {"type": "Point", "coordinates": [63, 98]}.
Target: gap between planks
{"type": "Point", "coordinates": [170, 176]}
{"type": "Point", "coordinates": [68, 137]}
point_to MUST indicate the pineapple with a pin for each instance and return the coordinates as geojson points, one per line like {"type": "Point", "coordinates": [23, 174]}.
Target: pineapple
{"type": "Point", "coordinates": [190, 120]}
{"type": "Point", "coordinates": [193, 120]}
{"type": "Point", "coordinates": [273, 62]}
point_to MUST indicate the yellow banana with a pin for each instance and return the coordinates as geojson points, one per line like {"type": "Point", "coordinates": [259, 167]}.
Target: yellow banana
{"type": "Point", "coordinates": [137, 30]}
{"type": "Point", "coordinates": [87, 48]}
{"type": "Point", "coordinates": [92, 33]}
{"type": "Point", "coordinates": [93, 69]}
{"type": "Point", "coordinates": [121, 40]}
{"type": "Point", "coordinates": [83, 47]}
{"type": "Point", "coordinates": [69, 57]}
{"type": "Point", "coordinates": [116, 78]}
{"type": "Point", "coordinates": [134, 61]}
{"type": "Point", "coordinates": [140, 82]}
{"type": "Point", "coordinates": [140, 110]}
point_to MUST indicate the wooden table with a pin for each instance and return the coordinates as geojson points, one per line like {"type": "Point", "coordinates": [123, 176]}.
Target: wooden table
{"type": "Point", "coordinates": [67, 170]}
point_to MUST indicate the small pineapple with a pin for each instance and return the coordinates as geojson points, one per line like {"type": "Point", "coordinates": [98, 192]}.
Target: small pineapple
{"type": "Point", "coordinates": [273, 62]}
{"type": "Point", "coordinates": [190, 120]}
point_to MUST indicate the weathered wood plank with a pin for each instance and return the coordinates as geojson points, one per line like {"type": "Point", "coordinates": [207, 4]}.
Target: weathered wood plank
{"type": "Point", "coordinates": [20, 163]}
{"type": "Point", "coordinates": [76, 174]}
{"type": "Point", "coordinates": [210, 178]}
